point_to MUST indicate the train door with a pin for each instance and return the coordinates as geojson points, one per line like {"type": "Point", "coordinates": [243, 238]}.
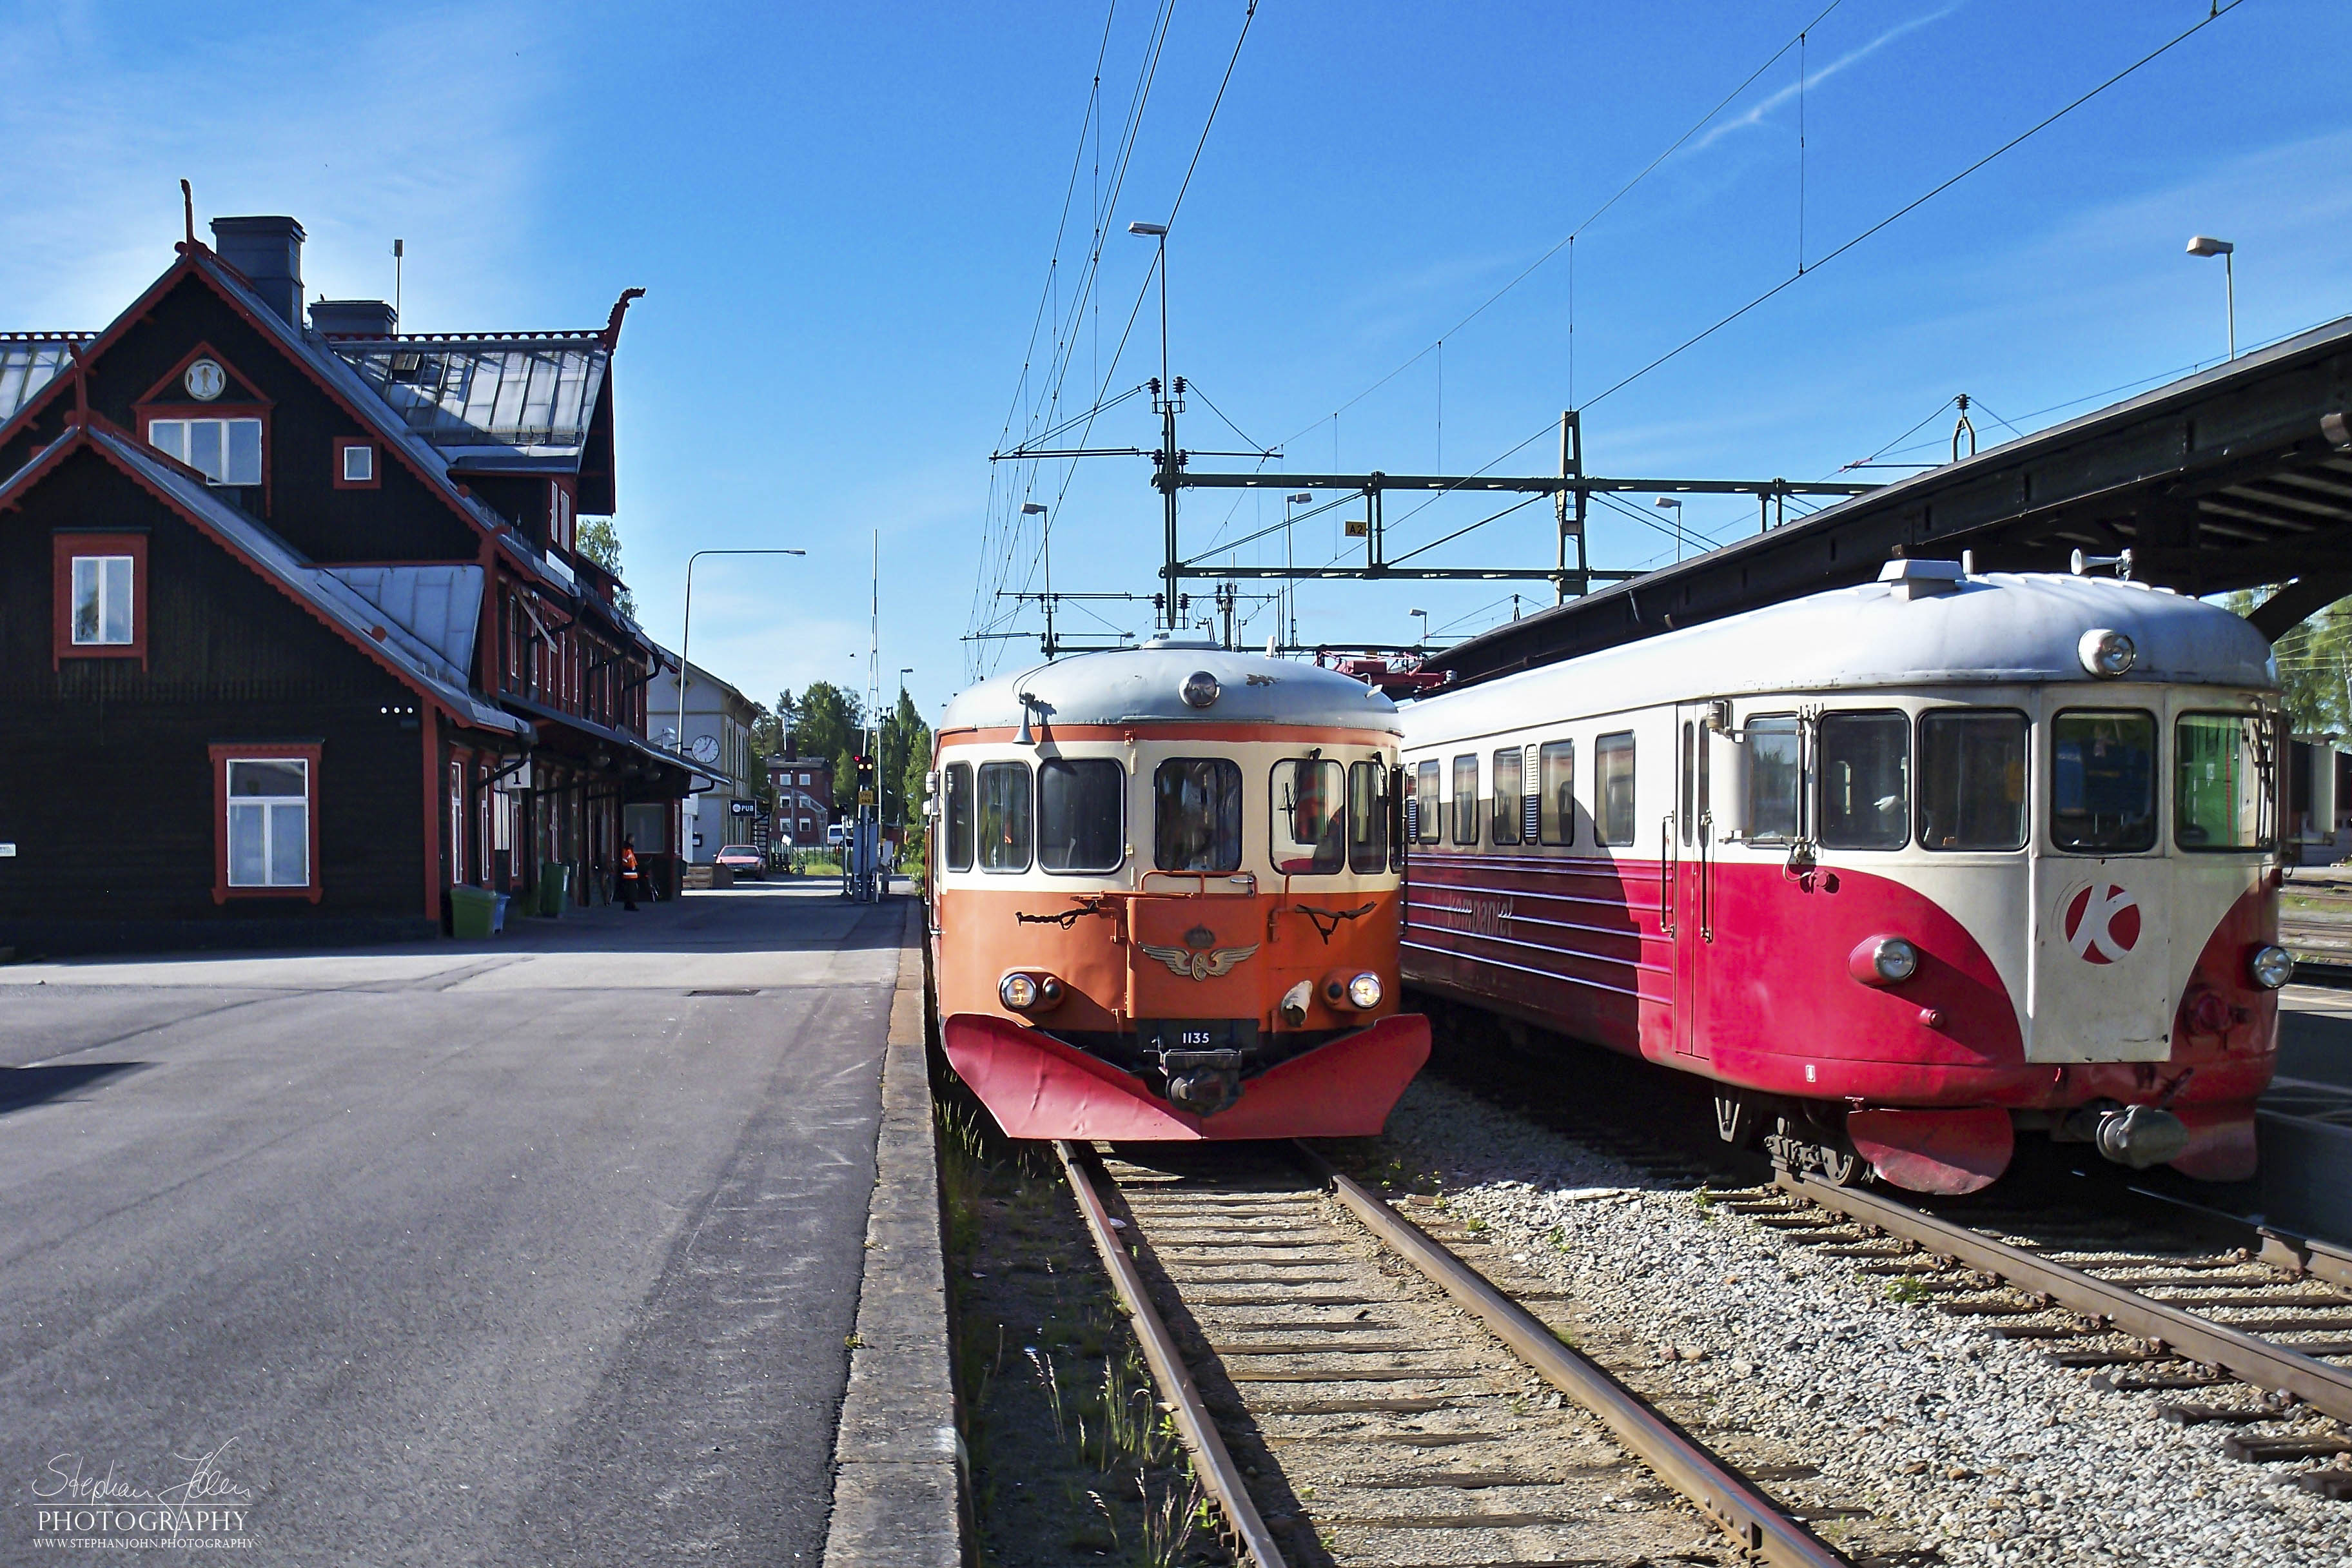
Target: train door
{"type": "Point", "coordinates": [1690, 868]}
{"type": "Point", "coordinates": [2100, 987]}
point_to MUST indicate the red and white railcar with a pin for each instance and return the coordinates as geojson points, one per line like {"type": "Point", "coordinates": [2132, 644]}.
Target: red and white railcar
{"type": "Point", "coordinates": [1905, 868]}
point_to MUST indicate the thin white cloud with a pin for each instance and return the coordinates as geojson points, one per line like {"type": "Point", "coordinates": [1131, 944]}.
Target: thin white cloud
{"type": "Point", "coordinates": [1813, 79]}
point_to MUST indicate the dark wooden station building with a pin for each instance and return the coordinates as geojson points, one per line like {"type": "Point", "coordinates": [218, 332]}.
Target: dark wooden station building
{"type": "Point", "coordinates": [294, 633]}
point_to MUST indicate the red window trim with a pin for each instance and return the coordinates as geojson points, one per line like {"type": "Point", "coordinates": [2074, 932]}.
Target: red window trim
{"type": "Point", "coordinates": [222, 752]}
{"type": "Point", "coordinates": [376, 463]}
{"type": "Point", "coordinates": [64, 548]}
{"type": "Point", "coordinates": [168, 399]}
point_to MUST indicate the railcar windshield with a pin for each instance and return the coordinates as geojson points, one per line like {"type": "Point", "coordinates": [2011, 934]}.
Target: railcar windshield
{"type": "Point", "coordinates": [1081, 814]}
{"type": "Point", "coordinates": [1310, 817]}
{"type": "Point", "coordinates": [1368, 817]}
{"type": "Point", "coordinates": [1775, 777]}
{"type": "Point", "coordinates": [959, 817]}
{"type": "Point", "coordinates": [2221, 789]}
{"type": "Point", "coordinates": [1971, 779]}
{"type": "Point", "coordinates": [1865, 780]}
{"type": "Point", "coordinates": [1005, 816]}
{"type": "Point", "coordinates": [1196, 815]}
{"type": "Point", "coordinates": [2103, 781]}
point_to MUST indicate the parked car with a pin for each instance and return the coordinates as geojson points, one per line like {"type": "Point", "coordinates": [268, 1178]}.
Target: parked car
{"type": "Point", "coordinates": [743, 859]}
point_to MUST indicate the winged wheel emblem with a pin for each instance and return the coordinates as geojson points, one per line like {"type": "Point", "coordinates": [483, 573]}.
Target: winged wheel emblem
{"type": "Point", "coordinates": [1182, 962]}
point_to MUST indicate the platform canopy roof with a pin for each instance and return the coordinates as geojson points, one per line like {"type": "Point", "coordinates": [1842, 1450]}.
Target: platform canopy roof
{"type": "Point", "coordinates": [2237, 477]}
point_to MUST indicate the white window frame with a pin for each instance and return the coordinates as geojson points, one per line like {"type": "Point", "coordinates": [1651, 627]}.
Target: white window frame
{"type": "Point", "coordinates": [175, 438]}
{"type": "Point", "coordinates": [365, 455]}
{"type": "Point", "coordinates": [263, 810]}
{"type": "Point", "coordinates": [101, 569]}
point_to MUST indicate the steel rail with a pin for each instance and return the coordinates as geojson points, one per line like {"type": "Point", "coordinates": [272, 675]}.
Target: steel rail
{"type": "Point", "coordinates": [1751, 1518]}
{"type": "Point", "coordinates": [2250, 1359]}
{"type": "Point", "coordinates": [1210, 1461]}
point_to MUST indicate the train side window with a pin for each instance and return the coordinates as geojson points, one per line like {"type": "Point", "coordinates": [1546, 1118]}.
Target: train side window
{"type": "Point", "coordinates": [1465, 801]}
{"type": "Point", "coordinates": [1428, 811]}
{"type": "Point", "coordinates": [1368, 817]}
{"type": "Point", "coordinates": [1865, 780]}
{"type": "Point", "coordinates": [959, 817]}
{"type": "Point", "coordinates": [2221, 789]}
{"type": "Point", "coordinates": [1507, 795]}
{"type": "Point", "coordinates": [2103, 781]}
{"type": "Point", "coordinates": [1310, 814]}
{"type": "Point", "coordinates": [1775, 777]}
{"type": "Point", "coordinates": [1612, 787]}
{"type": "Point", "coordinates": [1971, 779]}
{"type": "Point", "coordinates": [1196, 815]}
{"type": "Point", "coordinates": [1005, 816]}
{"type": "Point", "coordinates": [1081, 814]}
{"type": "Point", "coordinates": [1555, 816]}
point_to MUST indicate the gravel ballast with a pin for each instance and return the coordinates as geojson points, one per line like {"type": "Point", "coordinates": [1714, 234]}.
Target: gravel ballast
{"type": "Point", "coordinates": [1974, 1446]}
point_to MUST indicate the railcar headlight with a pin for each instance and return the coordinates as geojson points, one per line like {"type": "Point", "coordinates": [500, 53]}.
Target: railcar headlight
{"type": "Point", "coordinates": [1200, 690]}
{"type": "Point", "coordinates": [2271, 965]}
{"type": "Point", "coordinates": [1364, 991]}
{"type": "Point", "coordinates": [2106, 654]}
{"type": "Point", "coordinates": [1883, 961]}
{"type": "Point", "coordinates": [1029, 993]}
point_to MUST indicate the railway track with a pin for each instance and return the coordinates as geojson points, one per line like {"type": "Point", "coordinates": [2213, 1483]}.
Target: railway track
{"type": "Point", "coordinates": [1352, 1391]}
{"type": "Point", "coordinates": [2256, 1338]}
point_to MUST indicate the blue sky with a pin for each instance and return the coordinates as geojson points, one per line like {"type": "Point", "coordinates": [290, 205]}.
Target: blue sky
{"type": "Point", "coordinates": [843, 218]}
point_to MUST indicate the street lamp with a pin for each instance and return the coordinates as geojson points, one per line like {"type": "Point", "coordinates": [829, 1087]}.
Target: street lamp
{"type": "Point", "coordinates": [1045, 554]}
{"type": "Point", "coordinates": [1158, 232]}
{"type": "Point", "coordinates": [1290, 584]}
{"type": "Point", "coordinates": [2206, 245]}
{"type": "Point", "coordinates": [1424, 624]}
{"type": "Point", "coordinates": [685, 629]}
{"type": "Point", "coordinates": [1668, 503]}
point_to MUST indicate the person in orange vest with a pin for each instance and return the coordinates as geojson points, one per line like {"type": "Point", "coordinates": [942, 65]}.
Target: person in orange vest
{"type": "Point", "coordinates": [629, 873]}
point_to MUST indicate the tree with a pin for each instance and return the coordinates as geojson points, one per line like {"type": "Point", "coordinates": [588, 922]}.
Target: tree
{"type": "Point", "coordinates": [2315, 662]}
{"type": "Point", "coordinates": [600, 542]}
{"type": "Point", "coordinates": [829, 725]}
{"type": "Point", "coordinates": [905, 757]}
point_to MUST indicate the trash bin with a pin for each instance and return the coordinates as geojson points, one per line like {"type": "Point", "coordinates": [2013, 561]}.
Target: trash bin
{"type": "Point", "coordinates": [471, 910]}
{"type": "Point", "coordinates": [554, 886]}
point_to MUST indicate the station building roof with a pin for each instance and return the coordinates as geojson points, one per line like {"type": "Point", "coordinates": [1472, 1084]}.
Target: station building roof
{"type": "Point", "coordinates": [2237, 477]}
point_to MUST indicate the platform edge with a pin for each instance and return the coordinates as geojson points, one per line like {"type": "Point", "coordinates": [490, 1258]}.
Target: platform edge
{"type": "Point", "coordinates": [897, 1497]}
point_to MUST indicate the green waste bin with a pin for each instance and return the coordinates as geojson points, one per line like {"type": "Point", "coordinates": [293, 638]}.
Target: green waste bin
{"type": "Point", "coordinates": [554, 886]}
{"type": "Point", "coordinates": [470, 913]}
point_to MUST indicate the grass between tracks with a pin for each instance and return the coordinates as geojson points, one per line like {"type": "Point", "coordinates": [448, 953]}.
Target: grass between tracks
{"type": "Point", "coordinates": [1072, 1458]}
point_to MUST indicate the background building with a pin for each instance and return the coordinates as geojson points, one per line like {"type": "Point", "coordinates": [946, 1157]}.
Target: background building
{"type": "Point", "coordinates": [717, 739]}
{"type": "Point", "coordinates": [802, 788]}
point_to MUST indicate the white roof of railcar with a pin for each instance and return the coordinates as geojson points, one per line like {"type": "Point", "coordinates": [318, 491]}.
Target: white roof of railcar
{"type": "Point", "coordinates": [1145, 685]}
{"type": "Point", "coordinates": [1996, 627]}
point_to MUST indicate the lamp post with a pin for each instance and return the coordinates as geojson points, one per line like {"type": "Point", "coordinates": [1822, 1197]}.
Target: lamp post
{"type": "Point", "coordinates": [685, 628]}
{"type": "Point", "coordinates": [1158, 232]}
{"type": "Point", "coordinates": [1424, 625]}
{"type": "Point", "coordinates": [1668, 503]}
{"type": "Point", "coordinates": [1045, 554]}
{"type": "Point", "coordinates": [1290, 584]}
{"type": "Point", "coordinates": [2206, 245]}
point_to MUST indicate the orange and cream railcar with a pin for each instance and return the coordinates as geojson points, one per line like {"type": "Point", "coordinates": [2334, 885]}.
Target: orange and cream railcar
{"type": "Point", "coordinates": [1165, 893]}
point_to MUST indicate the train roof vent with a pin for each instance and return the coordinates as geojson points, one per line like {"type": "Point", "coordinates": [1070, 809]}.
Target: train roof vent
{"type": "Point", "coordinates": [1912, 579]}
